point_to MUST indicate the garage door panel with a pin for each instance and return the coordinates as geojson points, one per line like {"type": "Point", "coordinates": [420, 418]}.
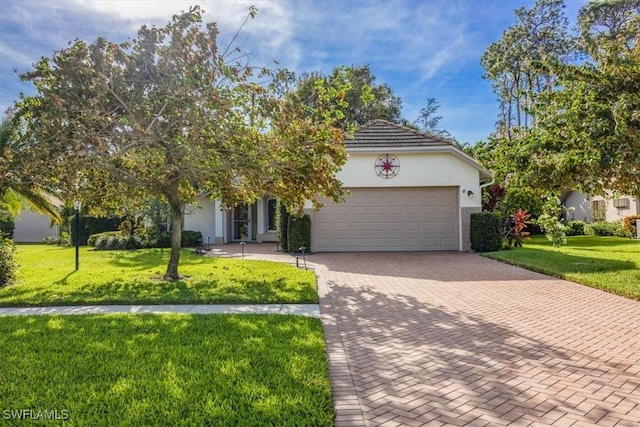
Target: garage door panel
{"type": "Point", "coordinates": [421, 218]}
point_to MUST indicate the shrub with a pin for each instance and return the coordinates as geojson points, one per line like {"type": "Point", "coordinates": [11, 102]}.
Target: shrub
{"type": "Point", "coordinates": [7, 224]}
{"type": "Point", "coordinates": [603, 228]}
{"type": "Point", "coordinates": [575, 228]}
{"type": "Point", "coordinates": [629, 224]}
{"type": "Point", "coordinates": [154, 238]}
{"type": "Point", "coordinates": [7, 262]}
{"type": "Point", "coordinates": [113, 242]}
{"type": "Point", "coordinates": [299, 233]}
{"type": "Point", "coordinates": [191, 238]}
{"type": "Point", "coordinates": [553, 229]}
{"type": "Point", "coordinates": [90, 225]}
{"type": "Point", "coordinates": [91, 241]}
{"type": "Point", "coordinates": [515, 227]}
{"type": "Point", "coordinates": [60, 240]}
{"type": "Point", "coordinates": [486, 233]}
{"type": "Point", "coordinates": [282, 223]}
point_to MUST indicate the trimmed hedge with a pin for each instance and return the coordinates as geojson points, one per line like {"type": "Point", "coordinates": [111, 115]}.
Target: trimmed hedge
{"type": "Point", "coordinates": [299, 233]}
{"type": "Point", "coordinates": [90, 225]}
{"type": "Point", "coordinates": [603, 228]}
{"type": "Point", "coordinates": [282, 223]}
{"type": "Point", "coordinates": [575, 228]}
{"type": "Point", "coordinates": [113, 242]}
{"type": "Point", "coordinates": [486, 232]}
{"type": "Point", "coordinates": [191, 238]}
{"type": "Point", "coordinates": [7, 262]}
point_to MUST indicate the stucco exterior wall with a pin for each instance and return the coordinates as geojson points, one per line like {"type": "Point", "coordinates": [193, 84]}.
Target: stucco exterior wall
{"type": "Point", "coordinates": [416, 170]}
{"type": "Point", "coordinates": [201, 218]}
{"type": "Point", "coordinates": [31, 227]}
{"type": "Point", "coordinates": [580, 207]}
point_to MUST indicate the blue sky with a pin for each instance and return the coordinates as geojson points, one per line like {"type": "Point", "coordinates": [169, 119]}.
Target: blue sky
{"type": "Point", "coordinates": [422, 49]}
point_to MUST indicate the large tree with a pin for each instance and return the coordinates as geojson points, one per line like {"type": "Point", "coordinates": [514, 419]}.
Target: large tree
{"type": "Point", "coordinates": [512, 64]}
{"type": "Point", "coordinates": [588, 128]}
{"type": "Point", "coordinates": [366, 99]}
{"type": "Point", "coordinates": [169, 114]}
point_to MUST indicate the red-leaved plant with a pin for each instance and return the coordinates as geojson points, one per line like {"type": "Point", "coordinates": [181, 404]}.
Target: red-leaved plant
{"type": "Point", "coordinates": [516, 226]}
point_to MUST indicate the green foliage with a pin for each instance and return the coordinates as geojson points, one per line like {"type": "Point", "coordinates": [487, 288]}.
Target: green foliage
{"type": "Point", "coordinates": [629, 225]}
{"type": "Point", "coordinates": [549, 222]}
{"type": "Point", "coordinates": [191, 238]}
{"type": "Point", "coordinates": [168, 370]}
{"type": "Point", "coordinates": [155, 238]}
{"type": "Point", "coordinates": [282, 224]}
{"type": "Point", "coordinates": [8, 264]}
{"type": "Point", "coordinates": [7, 224]}
{"type": "Point", "coordinates": [366, 99]}
{"type": "Point", "coordinates": [177, 117]}
{"type": "Point", "coordinates": [553, 229]}
{"type": "Point", "coordinates": [607, 263]}
{"type": "Point", "coordinates": [604, 228]}
{"type": "Point", "coordinates": [299, 233]}
{"type": "Point", "coordinates": [135, 277]}
{"type": "Point", "coordinates": [114, 241]}
{"type": "Point", "coordinates": [575, 228]}
{"type": "Point", "coordinates": [486, 232]}
{"type": "Point", "coordinates": [91, 241]}
{"type": "Point", "coordinates": [90, 226]}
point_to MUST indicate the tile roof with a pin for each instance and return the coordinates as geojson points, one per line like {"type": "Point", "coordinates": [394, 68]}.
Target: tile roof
{"type": "Point", "coordinates": [383, 133]}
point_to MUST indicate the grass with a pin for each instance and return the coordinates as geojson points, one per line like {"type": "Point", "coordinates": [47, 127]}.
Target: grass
{"type": "Point", "coordinates": [46, 276]}
{"type": "Point", "coordinates": [608, 263]}
{"type": "Point", "coordinates": [105, 370]}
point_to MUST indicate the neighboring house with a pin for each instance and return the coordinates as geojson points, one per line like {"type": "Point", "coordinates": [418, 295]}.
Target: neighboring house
{"type": "Point", "coordinates": [597, 208]}
{"type": "Point", "coordinates": [408, 191]}
{"type": "Point", "coordinates": [33, 227]}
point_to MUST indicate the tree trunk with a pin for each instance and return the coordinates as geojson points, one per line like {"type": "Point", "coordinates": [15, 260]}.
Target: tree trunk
{"type": "Point", "coordinates": [176, 233]}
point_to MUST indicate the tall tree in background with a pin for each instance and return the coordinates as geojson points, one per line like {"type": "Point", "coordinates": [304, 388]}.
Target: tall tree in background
{"type": "Point", "coordinates": [429, 122]}
{"type": "Point", "coordinates": [588, 127]}
{"type": "Point", "coordinates": [170, 115]}
{"type": "Point", "coordinates": [581, 123]}
{"type": "Point", "coordinates": [512, 64]}
{"type": "Point", "coordinates": [366, 99]}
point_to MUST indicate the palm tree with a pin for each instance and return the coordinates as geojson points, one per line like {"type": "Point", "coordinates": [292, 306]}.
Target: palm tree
{"type": "Point", "coordinates": [16, 185]}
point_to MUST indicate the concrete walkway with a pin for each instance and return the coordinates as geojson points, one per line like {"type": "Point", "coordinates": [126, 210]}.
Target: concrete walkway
{"type": "Point", "coordinates": [311, 310]}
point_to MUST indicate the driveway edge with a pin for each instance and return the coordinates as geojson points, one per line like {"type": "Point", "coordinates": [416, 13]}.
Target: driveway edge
{"type": "Point", "coordinates": [346, 404]}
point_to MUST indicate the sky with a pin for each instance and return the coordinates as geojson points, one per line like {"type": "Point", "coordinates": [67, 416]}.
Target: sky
{"type": "Point", "coordinates": [421, 48]}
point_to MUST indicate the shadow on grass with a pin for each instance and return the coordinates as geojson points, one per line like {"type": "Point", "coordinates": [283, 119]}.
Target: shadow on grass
{"type": "Point", "coordinates": [168, 370]}
{"type": "Point", "coordinates": [559, 264]}
{"type": "Point", "coordinates": [411, 357]}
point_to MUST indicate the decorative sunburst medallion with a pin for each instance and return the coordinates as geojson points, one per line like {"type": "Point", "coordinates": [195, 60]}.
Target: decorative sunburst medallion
{"type": "Point", "coordinates": [387, 166]}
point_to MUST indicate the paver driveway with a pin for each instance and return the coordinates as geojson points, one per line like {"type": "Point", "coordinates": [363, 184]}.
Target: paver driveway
{"type": "Point", "coordinates": [456, 339]}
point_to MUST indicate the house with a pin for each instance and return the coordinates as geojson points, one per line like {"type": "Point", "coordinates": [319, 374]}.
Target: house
{"type": "Point", "coordinates": [597, 208]}
{"type": "Point", "coordinates": [33, 227]}
{"type": "Point", "coordinates": [408, 191]}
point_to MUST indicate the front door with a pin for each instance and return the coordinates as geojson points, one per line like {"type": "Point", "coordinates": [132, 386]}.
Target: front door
{"type": "Point", "coordinates": [241, 223]}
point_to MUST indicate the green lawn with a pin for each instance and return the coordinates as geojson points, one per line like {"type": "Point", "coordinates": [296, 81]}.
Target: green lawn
{"type": "Point", "coordinates": [608, 263]}
{"type": "Point", "coordinates": [166, 370]}
{"type": "Point", "coordinates": [46, 276]}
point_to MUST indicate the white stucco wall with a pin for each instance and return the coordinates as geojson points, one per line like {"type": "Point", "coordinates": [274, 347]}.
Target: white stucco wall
{"type": "Point", "coordinates": [579, 207]}
{"type": "Point", "coordinates": [201, 218]}
{"type": "Point", "coordinates": [32, 227]}
{"type": "Point", "coordinates": [416, 170]}
{"type": "Point", "coordinates": [616, 214]}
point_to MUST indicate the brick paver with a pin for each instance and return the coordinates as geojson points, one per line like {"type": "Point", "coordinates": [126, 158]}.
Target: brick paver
{"type": "Point", "coordinates": [430, 339]}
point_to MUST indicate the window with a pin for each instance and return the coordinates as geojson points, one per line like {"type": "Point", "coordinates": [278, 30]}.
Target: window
{"type": "Point", "coordinates": [621, 203]}
{"type": "Point", "coordinates": [271, 215]}
{"type": "Point", "coordinates": [598, 210]}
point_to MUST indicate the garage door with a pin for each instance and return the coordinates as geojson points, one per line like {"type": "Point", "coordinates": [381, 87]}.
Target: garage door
{"type": "Point", "coordinates": [389, 219]}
